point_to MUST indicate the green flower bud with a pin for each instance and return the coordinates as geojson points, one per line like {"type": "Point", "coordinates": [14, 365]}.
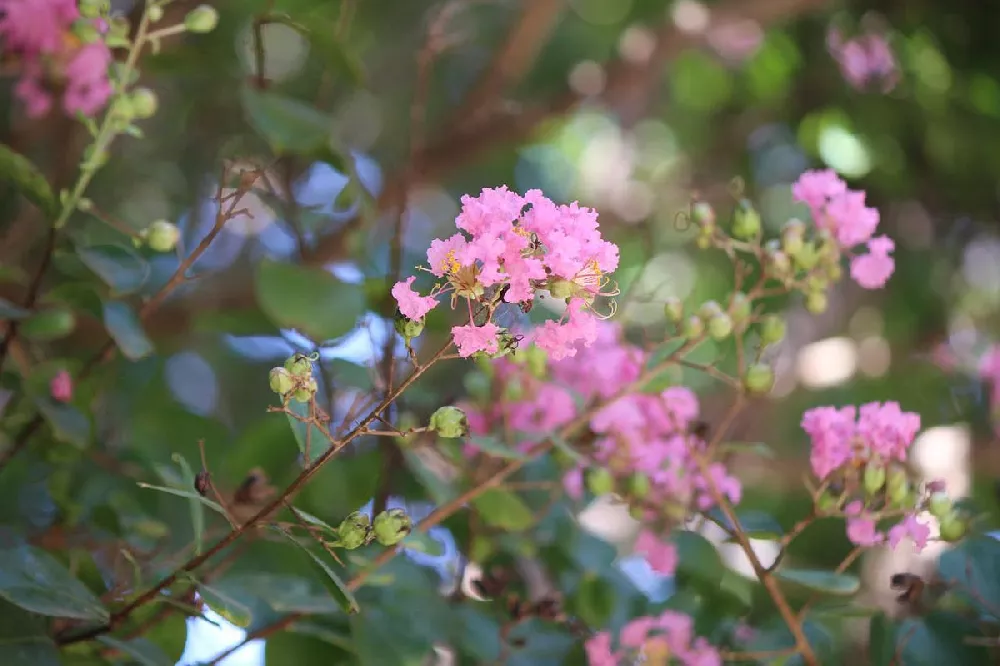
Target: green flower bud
{"type": "Point", "coordinates": [538, 362]}
{"type": "Point", "coordinates": [874, 477]}
{"type": "Point", "coordinates": [703, 215]}
{"type": "Point", "coordinates": [940, 505]}
{"type": "Point", "coordinates": [953, 528]}
{"type": "Point", "coordinates": [354, 531]}
{"type": "Point", "coordinates": [600, 481]}
{"type": "Point", "coordinates": [561, 289]}
{"type": "Point", "coordinates": [299, 365]}
{"type": "Point", "coordinates": [827, 502]}
{"type": "Point", "coordinates": [817, 282]}
{"type": "Point", "coordinates": [162, 236]}
{"type": "Point", "coordinates": [746, 221]}
{"type": "Point", "coordinates": [807, 257]}
{"type": "Point", "coordinates": [833, 272]}
{"type": "Point", "coordinates": [816, 302]}
{"type": "Point", "coordinates": [674, 310]}
{"type": "Point", "coordinates": [86, 31]}
{"type": "Point", "coordinates": [720, 326]}
{"type": "Point", "coordinates": [703, 242]}
{"type": "Point", "coordinates": [792, 237]}
{"type": "Point", "coordinates": [305, 389]}
{"type": "Point", "coordinates": [391, 527]}
{"type": "Point", "coordinates": [154, 13]}
{"type": "Point", "coordinates": [897, 478]}
{"type": "Point", "coordinates": [740, 308]}
{"type": "Point", "coordinates": [449, 422]}
{"type": "Point", "coordinates": [759, 379]}
{"type": "Point", "coordinates": [772, 330]}
{"type": "Point", "coordinates": [144, 102]}
{"type": "Point", "coordinates": [778, 264]}
{"type": "Point", "coordinates": [709, 309]}
{"type": "Point", "coordinates": [639, 485]}
{"type": "Point", "coordinates": [201, 19]}
{"type": "Point", "coordinates": [94, 8]}
{"type": "Point", "coordinates": [899, 495]}
{"type": "Point", "coordinates": [408, 328]}
{"type": "Point", "coordinates": [694, 327]}
{"type": "Point", "coordinates": [281, 381]}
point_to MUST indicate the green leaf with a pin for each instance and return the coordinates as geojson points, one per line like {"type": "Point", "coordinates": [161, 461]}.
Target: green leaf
{"type": "Point", "coordinates": [120, 267]}
{"type": "Point", "coordinates": [329, 46]}
{"type": "Point", "coordinates": [697, 557]}
{"type": "Point", "coordinates": [68, 423]}
{"type": "Point", "coordinates": [755, 524]}
{"type": "Point", "coordinates": [23, 639]}
{"type": "Point", "coordinates": [974, 564]}
{"type": "Point", "coordinates": [284, 593]}
{"type": "Point", "coordinates": [504, 509]}
{"type": "Point", "coordinates": [312, 443]}
{"type": "Point", "coordinates": [308, 299]}
{"type": "Point", "coordinates": [180, 492]}
{"type": "Point", "coordinates": [338, 588]}
{"type": "Point", "coordinates": [18, 169]}
{"type": "Point", "coordinates": [494, 447]}
{"type": "Point", "coordinates": [124, 327]}
{"type": "Point", "coordinates": [594, 601]}
{"type": "Point", "coordinates": [225, 605]}
{"type": "Point", "coordinates": [287, 124]}
{"type": "Point", "coordinates": [49, 324]}
{"type": "Point", "coordinates": [313, 520]}
{"type": "Point", "coordinates": [824, 582]}
{"type": "Point", "coordinates": [37, 582]}
{"type": "Point", "coordinates": [11, 312]}
{"type": "Point", "coordinates": [139, 649]}
{"type": "Point", "coordinates": [934, 639]}
{"type": "Point", "coordinates": [423, 543]}
{"type": "Point", "coordinates": [197, 508]}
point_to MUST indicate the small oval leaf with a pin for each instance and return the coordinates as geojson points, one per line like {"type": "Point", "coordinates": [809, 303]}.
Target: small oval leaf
{"type": "Point", "coordinates": [504, 509]}
{"type": "Point", "coordinates": [308, 299]}
{"type": "Point", "coordinates": [18, 169]}
{"type": "Point", "coordinates": [37, 582]}
{"type": "Point", "coordinates": [824, 582]}
{"type": "Point", "coordinates": [121, 268]}
{"type": "Point", "coordinates": [125, 328]}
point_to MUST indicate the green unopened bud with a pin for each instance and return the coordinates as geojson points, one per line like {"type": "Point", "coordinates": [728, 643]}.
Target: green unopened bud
{"type": "Point", "coordinates": [162, 236]}
{"type": "Point", "coordinates": [792, 237]}
{"type": "Point", "coordinates": [720, 326]}
{"type": "Point", "coordinates": [94, 8]}
{"type": "Point", "coordinates": [897, 478]}
{"type": "Point", "coordinates": [561, 289]}
{"type": "Point", "coordinates": [900, 495]}
{"type": "Point", "coordinates": [817, 302]}
{"type": "Point", "coordinates": [305, 389]}
{"type": "Point", "coordinates": [537, 361]}
{"type": "Point", "coordinates": [299, 365]}
{"type": "Point", "coordinates": [772, 330]}
{"type": "Point", "coordinates": [201, 19]}
{"type": "Point", "coordinates": [144, 102]}
{"type": "Point", "coordinates": [281, 381]}
{"type": "Point", "coordinates": [674, 310]}
{"type": "Point", "coordinates": [940, 505]}
{"type": "Point", "coordinates": [449, 421]}
{"type": "Point", "coordinates": [703, 241]}
{"type": "Point", "coordinates": [833, 272]}
{"type": "Point", "coordinates": [953, 527]}
{"type": "Point", "coordinates": [703, 215]}
{"type": "Point", "coordinates": [740, 308]}
{"type": "Point", "coordinates": [86, 31]}
{"type": "Point", "coordinates": [746, 221]}
{"type": "Point", "coordinates": [807, 257]}
{"type": "Point", "coordinates": [354, 530]}
{"type": "Point", "coordinates": [709, 309]}
{"type": "Point", "coordinates": [817, 282]}
{"type": "Point", "coordinates": [600, 481]}
{"type": "Point", "coordinates": [759, 379]}
{"type": "Point", "coordinates": [693, 327]}
{"type": "Point", "coordinates": [391, 527]}
{"type": "Point", "coordinates": [874, 477]}
{"type": "Point", "coordinates": [778, 264]}
{"type": "Point", "coordinates": [639, 485]}
{"type": "Point", "coordinates": [154, 13]}
{"type": "Point", "coordinates": [408, 328]}
{"type": "Point", "coordinates": [828, 502]}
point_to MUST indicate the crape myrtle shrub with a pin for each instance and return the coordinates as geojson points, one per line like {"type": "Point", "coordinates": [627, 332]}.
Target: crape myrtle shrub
{"type": "Point", "coordinates": [155, 468]}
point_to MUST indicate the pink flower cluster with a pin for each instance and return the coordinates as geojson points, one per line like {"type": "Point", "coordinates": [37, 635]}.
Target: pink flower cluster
{"type": "Point", "coordinates": [865, 60]}
{"type": "Point", "coordinates": [862, 529]}
{"type": "Point", "coordinates": [518, 244]}
{"type": "Point", "coordinates": [844, 436]}
{"type": "Point", "coordinates": [40, 31]}
{"type": "Point", "coordinates": [635, 432]}
{"type": "Point", "coordinates": [668, 638]}
{"type": "Point", "coordinates": [843, 213]}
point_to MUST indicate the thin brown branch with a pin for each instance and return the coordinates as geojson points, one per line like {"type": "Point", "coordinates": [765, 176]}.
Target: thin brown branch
{"type": "Point", "coordinates": [34, 289]}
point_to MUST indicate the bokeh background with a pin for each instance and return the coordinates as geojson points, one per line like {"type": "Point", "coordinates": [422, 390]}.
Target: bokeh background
{"type": "Point", "coordinates": [629, 106]}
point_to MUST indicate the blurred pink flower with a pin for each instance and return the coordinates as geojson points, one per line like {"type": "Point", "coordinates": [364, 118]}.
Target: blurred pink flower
{"type": "Point", "coordinates": [61, 387]}
{"type": "Point", "coordinates": [873, 270]}
{"type": "Point", "coordinates": [865, 61]}
{"type": "Point", "coordinates": [661, 555]}
{"type": "Point", "coordinates": [912, 528]}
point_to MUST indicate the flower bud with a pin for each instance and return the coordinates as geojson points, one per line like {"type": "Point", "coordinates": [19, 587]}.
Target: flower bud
{"type": "Point", "coordinates": [354, 530]}
{"type": "Point", "coordinates": [154, 13]}
{"type": "Point", "coordinates": [86, 31]}
{"type": "Point", "coordinates": [201, 19]}
{"type": "Point", "coordinates": [746, 221]}
{"type": "Point", "coordinates": [807, 257]}
{"type": "Point", "coordinates": [299, 365]}
{"type": "Point", "coordinates": [674, 310]}
{"type": "Point", "coordinates": [703, 242]}
{"type": "Point", "coordinates": [833, 272]}
{"type": "Point", "coordinates": [900, 495]}
{"type": "Point", "coordinates": [305, 389]}
{"type": "Point", "coordinates": [162, 236]}
{"type": "Point", "coordinates": [639, 485]}
{"type": "Point", "coordinates": [778, 264]}
{"type": "Point", "coordinates": [94, 8]}
{"type": "Point", "coordinates": [408, 328]}
{"type": "Point", "coordinates": [600, 481]}
{"type": "Point", "coordinates": [772, 330]}
{"type": "Point", "coordinates": [281, 381]}
{"type": "Point", "coordinates": [391, 527]}
{"type": "Point", "coordinates": [940, 505]}
{"type": "Point", "coordinates": [561, 289]}
{"type": "Point", "coordinates": [449, 422]}
{"type": "Point", "coordinates": [740, 308]}
{"type": "Point", "coordinates": [874, 477]}
{"type": "Point", "coordinates": [703, 215]}
{"type": "Point", "coordinates": [144, 102]}
{"type": "Point", "coordinates": [816, 302]}
{"type": "Point", "coordinates": [694, 327]}
{"type": "Point", "coordinates": [720, 326]}
{"type": "Point", "coordinates": [792, 237]}
{"type": "Point", "coordinates": [828, 502]}
{"type": "Point", "coordinates": [709, 309]}
{"type": "Point", "coordinates": [953, 527]}
{"type": "Point", "coordinates": [759, 379]}
{"type": "Point", "coordinates": [897, 478]}
{"type": "Point", "coordinates": [61, 387]}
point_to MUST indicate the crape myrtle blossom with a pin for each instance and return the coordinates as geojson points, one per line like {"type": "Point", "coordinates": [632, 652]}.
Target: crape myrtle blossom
{"type": "Point", "coordinates": [865, 61]}
{"type": "Point", "coordinates": [41, 33]}
{"type": "Point", "coordinates": [667, 638]}
{"type": "Point", "coordinates": [510, 247]}
{"type": "Point", "coordinates": [842, 213]}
